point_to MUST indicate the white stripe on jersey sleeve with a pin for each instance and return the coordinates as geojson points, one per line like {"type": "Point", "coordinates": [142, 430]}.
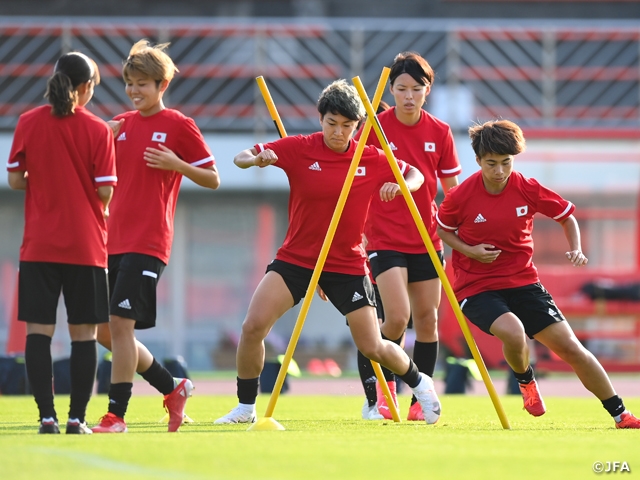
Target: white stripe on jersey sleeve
{"type": "Point", "coordinates": [404, 168]}
{"type": "Point", "coordinates": [446, 227]}
{"type": "Point", "coordinates": [565, 211]}
{"type": "Point", "coordinates": [203, 161]}
{"type": "Point", "coordinates": [260, 147]}
{"type": "Point", "coordinates": [13, 165]}
{"type": "Point", "coordinates": [107, 179]}
{"type": "Point", "coordinates": [452, 170]}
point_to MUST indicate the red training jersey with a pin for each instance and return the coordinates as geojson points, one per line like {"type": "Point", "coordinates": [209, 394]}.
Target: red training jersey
{"type": "Point", "coordinates": [316, 176]}
{"type": "Point", "coordinates": [504, 220]}
{"type": "Point", "coordinates": [428, 145]}
{"type": "Point", "coordinates": [143, 206]}
{"type": "Point", "coordinates": [66, 158]}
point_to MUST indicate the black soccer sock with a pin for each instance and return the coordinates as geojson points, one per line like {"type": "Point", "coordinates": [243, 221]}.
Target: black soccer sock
{"type": "Point", "coordinates": [159, 378]}
{"type": "Point", "coordinates": [412, 377]}
{"type": "Point", "coordinates": [425, 355]}
{"type": "Point", "coordinates": [613, 405]}
{"type": "Point", "coordinates": [368, 378]}
{"type": "Point", "coordinates": [389, 376]}
{"type": "Point", "coordinates": [119, 395]}
{"type": "Point", "coordinates": [248, 390]}
{"type": "Point", "coordinates": [526, 377]}
{"type": "Point", "coordinates": [84, 364]}
{"type": "Point", "coordinates": [37, 356]}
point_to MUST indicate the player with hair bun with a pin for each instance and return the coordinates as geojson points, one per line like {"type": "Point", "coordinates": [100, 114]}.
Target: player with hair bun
{"type": "Point", "coordinates": [155, 148]}
{"type": "Point", "coordinates": [404, 273]}
{"type": "Point", "coordinates": [63, 156]}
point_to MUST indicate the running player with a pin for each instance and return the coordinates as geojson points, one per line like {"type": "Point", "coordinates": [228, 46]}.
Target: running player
{"type": "Point", "coordinates": [63, 156]}
{"type": "Point", "coordinates": [155, 147]}
{"type": "Point", "coordinates": [316, 166]}
{"type": "Point", "coordinates": [405, 275]}
{"type": "Point", "coordinates": [488, 221]}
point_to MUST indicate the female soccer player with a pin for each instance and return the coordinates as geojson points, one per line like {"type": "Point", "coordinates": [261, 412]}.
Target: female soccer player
{"type": "Point", "coordinates": [406, 278]}
{"type": "Point", "coordinates": [316, 166]}
{"type": "Point", "coordinates": [155, 147]}
{"type": "Point", "coordinates": [63, 156]}
{"type": "Point", "coordinates": [488, 221]}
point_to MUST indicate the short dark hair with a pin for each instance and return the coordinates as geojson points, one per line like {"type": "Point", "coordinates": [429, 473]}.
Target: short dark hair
{"type": "Point", "coordinates": [502, 137]}
{"type": "Point", "coordinates": [413, 64]}
{"type": "Point", "coordinates": [341, 98]}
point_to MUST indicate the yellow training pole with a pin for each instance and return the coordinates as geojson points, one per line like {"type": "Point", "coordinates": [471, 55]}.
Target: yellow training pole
{"type": "Point", "coordinates": [434, 257]}
{"type": "Point", "coordinates": [271, 106]}
{"type": "Point", "coordinates": [267, 422]}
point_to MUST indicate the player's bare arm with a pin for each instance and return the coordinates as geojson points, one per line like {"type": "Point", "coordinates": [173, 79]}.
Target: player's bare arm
{"type": "Point", "coordinates": [251, 158]}
{"type": "Point", "coordinates": [390, 190]}
{"type": "Point", "coordinates": [17, 180]}
{"type": "Point", "coordinates": [448, 182]}
{"type": "Point", "coordinates": [163, 158]}
{"type": "Point", "coordinates": [483, 252]}
{"type": "Point", "coordinates": [572, 233]}
{"type": "Point", "coordinates": [105, 193]}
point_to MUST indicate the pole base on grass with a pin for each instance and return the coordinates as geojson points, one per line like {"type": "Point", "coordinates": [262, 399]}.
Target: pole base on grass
{"type": "Point", "coordinates": [185, 419]}
{"type": "Point", "coordinates": [265, 424]}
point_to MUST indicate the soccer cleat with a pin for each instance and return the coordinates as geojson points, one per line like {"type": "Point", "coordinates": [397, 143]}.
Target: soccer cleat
{"type": "Point", "coordinates": [75, 426]}
{"type": "Point", "coordinates": [241, 414]}
{"type": "Point", "coordinates": [415, 413]}
{"type": "Point", "coordinates": [533, 402]}
{"type": "Point", "coordinates": [627, 420]}
{"type": "Point", "coordinates": [49, 425]}
{"type": "Point", "coordinates": [174, 403]}
{"type": "Point", "coordinates": [370, 412]}
{"type": "Point", "coordinates": [110, 423]}
{"type": "Point", "coordinates": [383, 408]}
{"type": "Point", "coordinates": [425, 393]}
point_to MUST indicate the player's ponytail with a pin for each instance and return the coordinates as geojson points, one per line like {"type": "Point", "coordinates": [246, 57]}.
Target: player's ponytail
{"type": "Point", "coordinates": [71, 70]}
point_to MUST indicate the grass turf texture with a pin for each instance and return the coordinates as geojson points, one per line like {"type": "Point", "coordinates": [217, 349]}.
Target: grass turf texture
{"type": "Point", "coordinates": [324, 438]}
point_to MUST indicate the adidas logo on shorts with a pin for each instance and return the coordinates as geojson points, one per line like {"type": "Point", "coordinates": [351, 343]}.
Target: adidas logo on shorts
{"type": "Point", "coordinates": [356, 297]}
{"type": "Point", "coordinates": [125, 304]}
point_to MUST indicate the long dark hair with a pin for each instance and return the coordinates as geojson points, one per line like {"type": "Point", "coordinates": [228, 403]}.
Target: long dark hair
{"type": "Point", "coordinates": [71, 70]}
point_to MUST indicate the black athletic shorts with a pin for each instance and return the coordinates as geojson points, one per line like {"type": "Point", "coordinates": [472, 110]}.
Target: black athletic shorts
{"type": "Point", "coordinates": [379, 309]}
{"type": "Point", "coordinates": [348, 293]}
{"type": "Point", "coordinates": [83, 287]}
{"type": "Point", "coordinates": [532, 304]}
{"type": "Point", "coordinates": [419, 265]}
{"type": "Point", "coordinates": [133, 278]}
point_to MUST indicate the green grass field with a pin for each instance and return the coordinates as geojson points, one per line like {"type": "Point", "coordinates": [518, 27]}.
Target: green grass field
{"type": "Point", "coordinates": [324, 438]}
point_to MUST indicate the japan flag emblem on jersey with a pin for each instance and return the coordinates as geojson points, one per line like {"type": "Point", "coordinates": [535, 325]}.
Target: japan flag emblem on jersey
{"type": "Point", "coordinates": [522, 211]}
{"type": "Point", "coordinates": [361, 171]}
{"type": "Point", "coordinates": [158, 137]}
{"type": "Point", "coordinates": [429, 147]}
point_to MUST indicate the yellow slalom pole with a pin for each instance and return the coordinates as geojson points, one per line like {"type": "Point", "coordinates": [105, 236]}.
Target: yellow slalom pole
{"type": "Point", "coordinates": [434, 257]}
{"type": "Point", "coordinates": [268, 422]}
{"type": "Point", "coordinates": [271, 106]}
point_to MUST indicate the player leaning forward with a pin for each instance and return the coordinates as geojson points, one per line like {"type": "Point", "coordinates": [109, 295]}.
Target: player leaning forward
{"type": "Point", "coordinates": [488, 220]}
{"type": "Point", "coordinates": [155, 147]}
{"type": "Point", "coordinates": [316, 166]}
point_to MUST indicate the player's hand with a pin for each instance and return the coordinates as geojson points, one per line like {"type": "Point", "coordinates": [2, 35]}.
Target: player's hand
{"type": "Point", "coordinates": [106, 212]}
{"type": "Point", "coordinates": [484, 253]}
{"type": "Point", "coordinates": [577, 258]}
{"type": "Point", "coordinates": [389, 191]}
{"type": "Point", "coordinates": [265, 158]}
{"type": "Point", "coordinates": [162, 158]}
{"type": "Point", "coordinates": [115, 125]}
{"type": "Point", "coordinates": [321, 293]}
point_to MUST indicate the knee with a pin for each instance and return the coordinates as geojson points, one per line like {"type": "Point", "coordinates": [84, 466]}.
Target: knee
{"type": "Point", "coordinates": [253, 329]}
{"type": "Point", "coordinates": [514, 340]}
{"type": "Point", "coordinates": [120, 327]}
{"type": "Point", "coordinates": [573, 352]}
{"type": "Point", "coordinates": [370, 350]}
